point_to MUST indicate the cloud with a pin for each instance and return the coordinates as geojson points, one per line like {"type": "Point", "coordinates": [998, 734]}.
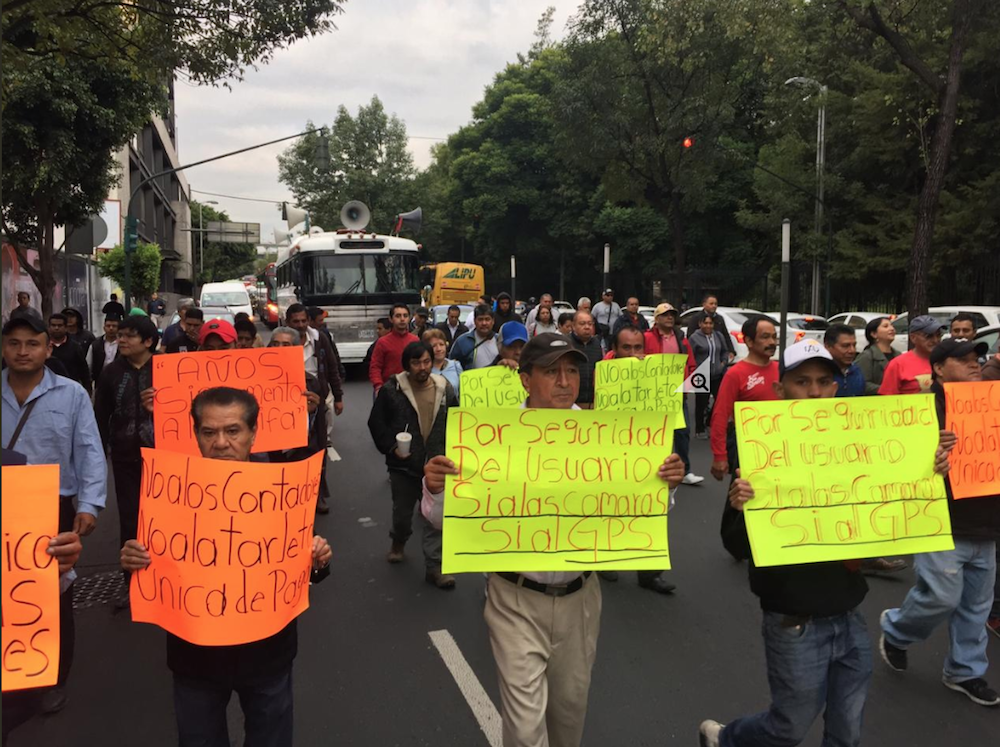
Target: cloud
{"type": "Point", "coordinates": [428, 61]}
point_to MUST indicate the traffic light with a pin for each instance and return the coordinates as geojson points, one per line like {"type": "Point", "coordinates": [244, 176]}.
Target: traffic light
{"type": "Point", "coordinates": [687, 142]}
{"type": "Point", "coordinates": [131, 234]}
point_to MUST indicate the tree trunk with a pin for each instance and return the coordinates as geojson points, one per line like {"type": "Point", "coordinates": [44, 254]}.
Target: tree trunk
{"type": "Point", "coordinates": [680, 257]}
{"type": "Point", "coordinates": [45, 280]}
{"type": "Point", "coordinates": [937, 169]}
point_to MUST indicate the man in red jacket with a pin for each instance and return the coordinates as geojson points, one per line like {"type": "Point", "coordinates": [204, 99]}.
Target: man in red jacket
{"type": "Point", "coordinates": [750, 380]}
{"type": "Point", "coordinates": [387, 357]}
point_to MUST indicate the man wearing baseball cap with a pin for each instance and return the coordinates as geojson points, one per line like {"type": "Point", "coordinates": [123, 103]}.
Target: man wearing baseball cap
{"type": "Point", "coordinates": [910, 373]}
{"type": "Point", "coordinates": [953, 585]}
{"type": "Point", "coordinates": [606, 314]}
{"type": "Point", "coordinates": [543, 626]}
{"type": "Point", "coordinates": [816, 643]}
{"type": "Point", "coordinates": [217, 334]}
{"type": "Point", "coordinates": [667, 337]}
{"type": "Point", "coordinates": [510, 342]}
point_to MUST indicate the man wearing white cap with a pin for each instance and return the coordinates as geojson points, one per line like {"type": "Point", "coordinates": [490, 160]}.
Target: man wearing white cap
{"type": "Point", "coordinates": [817, 649]}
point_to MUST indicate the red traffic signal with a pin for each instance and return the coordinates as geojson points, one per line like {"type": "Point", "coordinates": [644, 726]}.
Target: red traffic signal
{"type": "Point", "coordinates": [687, 142]}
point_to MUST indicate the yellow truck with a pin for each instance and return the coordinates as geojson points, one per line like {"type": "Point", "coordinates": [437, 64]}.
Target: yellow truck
{"type": "Point", "coordinates": [453, 282]}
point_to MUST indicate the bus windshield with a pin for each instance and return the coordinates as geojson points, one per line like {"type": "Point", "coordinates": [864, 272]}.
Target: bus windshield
{"type": "Point", "coordinates": [357, 274]}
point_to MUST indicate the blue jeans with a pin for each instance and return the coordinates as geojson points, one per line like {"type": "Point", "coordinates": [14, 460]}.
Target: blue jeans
{"type": "Point", "coordinates": [957, 586]}
{"type": "Point", "coordinates": [995, 612]}
{"type": "Point", "coordinates": [823, 666]}
{"type": "Point", "coordinates": [200, 707]}
{"type": "Point", "coordinates": [682, 438]}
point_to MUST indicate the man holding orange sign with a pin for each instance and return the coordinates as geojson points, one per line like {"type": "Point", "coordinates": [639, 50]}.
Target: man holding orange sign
{"type": "Point", "coordinates": [258, 666]}
{"type": "Point", "coordinates": [957, 585]}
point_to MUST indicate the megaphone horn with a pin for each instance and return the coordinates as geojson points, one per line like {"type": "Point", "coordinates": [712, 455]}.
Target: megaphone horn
{"type": "Point", "coordinates": [410, 220]}
{"type": "Point", "coordinates": [281, 236]}
{"type": "Point", "coordinates": [294, 215]}
{"type": "Point", "coordinates": [355, 215]}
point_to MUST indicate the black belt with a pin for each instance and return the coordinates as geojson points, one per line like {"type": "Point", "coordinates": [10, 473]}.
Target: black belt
{"type": "Point", "coordinates": [553, 590]}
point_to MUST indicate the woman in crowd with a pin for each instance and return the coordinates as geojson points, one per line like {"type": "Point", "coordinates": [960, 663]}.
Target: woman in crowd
{"type": "Point", "coordinates": [441, 364]}
{"type": "Point", "coordinates": [876, 356]}
{"type": "Point", "coordinates": [543, 322]}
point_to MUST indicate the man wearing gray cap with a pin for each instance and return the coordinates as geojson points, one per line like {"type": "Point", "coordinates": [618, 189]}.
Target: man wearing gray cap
{"type": "Point", "coordinates": [910, 373]}
{"type": "Point", "coordinates": [543, 625]}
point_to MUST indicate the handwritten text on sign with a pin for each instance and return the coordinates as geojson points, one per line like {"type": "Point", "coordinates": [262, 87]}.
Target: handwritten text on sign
{"type": "Point", "coordinates": [647, 385]}
{"type": "Point", "coordinates": [556, 490]}
{"type": "Point", "coordinates": [30, 577]}
{"type": "Point", "coordinates": [973, 414]}
{"type": "Point", "coordinates": [838, 479]}
{"type": "Point", "coordinates": [275, 376]}
{"type": "Point", "coordinates": [495, 386]}
{"type": "Point", "coordinates": [230, 542]}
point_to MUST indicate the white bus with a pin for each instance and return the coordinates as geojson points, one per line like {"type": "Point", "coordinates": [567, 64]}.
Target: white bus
{"type": "Point", "coordinates": [354, 276]}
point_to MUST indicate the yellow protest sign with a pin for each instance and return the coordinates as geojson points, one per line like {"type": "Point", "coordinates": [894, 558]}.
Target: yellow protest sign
{"type": "Point", "coordinates": [839, 479]}
{"type": "Point", "coordinates": [30, 577]}
{"type": "Point", "coordinates": [495, 386]}
{"type": "Point", "coordinates": [649, 384]}
{"type": "Point", "coordinates": [972, 412]}
{"type": "Point", "coordinates": [556, 490]}
{"type": "Point", "coordinates": [230, 545]}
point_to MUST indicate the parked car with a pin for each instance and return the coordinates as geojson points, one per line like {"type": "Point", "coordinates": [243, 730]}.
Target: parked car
{"type": "Point", "coordinates": [801, 326]}
{"type": "Point", "coordinates": [734, 318]}
{"type": "Point", "coordinates": [647, 311]}
{"type": "Point", "coordinates": [210, 312]}
{"type": "Point", "coordinates": [439, 313]}
{"type": "Point", "coordinates": [232, 294]}
{"type": "Point", "coordinates": [991, 336]}
{"type": "Point", "coordinates": [561, 307]}
{"type": "Point", "coordinates": [857, 320]}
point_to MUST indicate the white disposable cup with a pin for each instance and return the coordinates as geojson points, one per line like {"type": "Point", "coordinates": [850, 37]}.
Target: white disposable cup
{"type": "Point", "coordinates": [403, 443]}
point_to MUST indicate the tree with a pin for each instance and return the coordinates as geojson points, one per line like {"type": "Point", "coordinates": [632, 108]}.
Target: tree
{"type": "Point", "coordinates": [644, 75]}
{"type": "Point", "coordinates": [207, 40]}
{"type": "Point", "coordinates": [223, 260]}
{"type": "Point", "coordinates": [145, 268]}
{"type": "Point", "coordinates": [62, 121]}
{"type": "Point", "coordinates": [369, 161]}
{"type": "Point", "coordinates": [912, 35]}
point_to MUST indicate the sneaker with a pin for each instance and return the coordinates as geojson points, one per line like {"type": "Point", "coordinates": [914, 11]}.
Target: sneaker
{"type": "Point", "coordinates": [441, 580]}
{"type": "Point", "coordinates": [894, 656]}
{"type": "Point", "coordinates": [883, 566]}
{"type": "Point", "coordinates": [977, 691]}
{"type": "Point", "coordinates": [692, 479]}
{"type": "Point", "coordinates": [702, 435]}
{"type": "Point", "coordinates": [395, 554]}
{"type": "Point", "coordinates": [993, 625]}
{"type": "Point", "coordinates": [708, 733]}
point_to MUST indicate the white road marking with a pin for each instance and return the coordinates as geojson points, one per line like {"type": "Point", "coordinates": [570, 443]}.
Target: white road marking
{"type": "Point", "coordinates": [482, 707]}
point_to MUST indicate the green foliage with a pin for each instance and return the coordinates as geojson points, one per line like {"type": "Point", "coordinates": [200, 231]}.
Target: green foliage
{"type": "Point", "coordinates": [368, 162]}
{"type": "Point", "coordinates": [222, 260]}
{"type": "Point", "coordinates": [145, 268]}
{"type": "Point", "coordinates": [206, 40]}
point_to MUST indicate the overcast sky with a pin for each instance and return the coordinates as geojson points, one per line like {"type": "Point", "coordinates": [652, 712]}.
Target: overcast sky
{"type": "Point", "coordinates": [427, 60]}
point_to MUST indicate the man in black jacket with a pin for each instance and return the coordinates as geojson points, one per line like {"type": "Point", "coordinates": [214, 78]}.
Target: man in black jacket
{"type": "Point", "coordinates": [585, 340]}
{"type": "Point", "coordinates": [954, 585]}
{"type": "Point", "coordinates": [452, 327]}
{"type": "Point", "coordinates": [67, 352]}
{"type": "Point", "coordinates": [504, 311]}
{"type": "Point", "coordinates": [123, 408]}
{"type": "Point", "coordinates": [817, 648]}
{"type": "Point", "coordinates": [225, 425]}
{"type": "Point", "coordinates": [104, 349]}
{"type": "Point", "coordinates": [414, 402]}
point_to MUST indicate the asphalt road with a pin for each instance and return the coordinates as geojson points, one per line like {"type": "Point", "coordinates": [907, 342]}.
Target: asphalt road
{"type": "Point", "coordinates": [368, 673]}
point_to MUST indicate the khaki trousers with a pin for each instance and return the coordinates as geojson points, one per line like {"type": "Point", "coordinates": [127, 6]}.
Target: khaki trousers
{"type": "Point", "coordinates": [544, 647]}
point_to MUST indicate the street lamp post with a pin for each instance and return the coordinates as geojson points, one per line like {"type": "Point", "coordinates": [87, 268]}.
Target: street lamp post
{"type": "Point", "coordinates": [820, 168]}
{"type": "Point", "coordinates": [201, 234]}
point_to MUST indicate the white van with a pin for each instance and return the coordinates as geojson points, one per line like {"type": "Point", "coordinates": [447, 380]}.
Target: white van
{"type": "Point", "coordinates": [233, 295]}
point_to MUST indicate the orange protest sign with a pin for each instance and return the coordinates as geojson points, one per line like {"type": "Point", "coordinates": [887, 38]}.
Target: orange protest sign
{"type": "Point", "coordinates": [30, 577]}
{"type": "Point", "coordinates": [230, 545]}
{"type": "Point", "coordinates": [275, 376]}
{"type": "Point", "coordinates": [972, 412]}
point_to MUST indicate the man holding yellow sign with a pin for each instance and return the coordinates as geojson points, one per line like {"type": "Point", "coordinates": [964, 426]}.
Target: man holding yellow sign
{"type": "Point", "coordinates": [543, 625]}
{"type": "Point", "coordinates": [816, 642]}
